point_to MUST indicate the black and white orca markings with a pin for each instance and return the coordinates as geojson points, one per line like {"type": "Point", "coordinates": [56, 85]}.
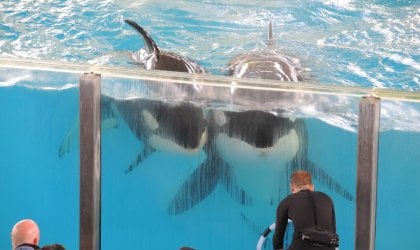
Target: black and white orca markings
{"type": "Point", "coordinates": [252, 153]}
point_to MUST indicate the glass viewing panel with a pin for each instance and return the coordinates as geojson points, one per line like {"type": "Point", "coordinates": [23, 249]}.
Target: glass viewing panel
{"type": "Point", "coordinates": [398, 198]}
{"type": "Point", "coordinates": [199, 161]}
{"type": "Point", "coordinates": [205, 166]}
{"type": "Point", "coordinates": [39, 159]}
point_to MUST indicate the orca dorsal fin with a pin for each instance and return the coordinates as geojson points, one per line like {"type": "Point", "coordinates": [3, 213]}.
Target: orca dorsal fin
{"type": "Point", "coordinates": [151, 46]}
{"type": "Point", "coordinates": [270, 41]}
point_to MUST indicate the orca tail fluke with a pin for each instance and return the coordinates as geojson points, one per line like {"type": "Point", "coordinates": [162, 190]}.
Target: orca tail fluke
{"type": "Point", "coordinates": [109, 120]}
{"type": "Point", "coordinates": [141, 156]}
{"type": "Point", "coordinates": [151, 46]}
{"type": "Point", "coordinates": [229, 182]}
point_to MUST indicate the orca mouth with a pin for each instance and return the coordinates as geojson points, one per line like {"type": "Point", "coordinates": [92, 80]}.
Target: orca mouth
{"type": "Point", "coordinates": [257, 128]}
{"type": "Point", "coordinates": [275, 70]}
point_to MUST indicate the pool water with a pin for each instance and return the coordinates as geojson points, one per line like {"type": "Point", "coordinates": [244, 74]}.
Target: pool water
{"type": "Point", "coordinates": [363, 43]}
{"type": "Point", "coordinates": [345, 42]}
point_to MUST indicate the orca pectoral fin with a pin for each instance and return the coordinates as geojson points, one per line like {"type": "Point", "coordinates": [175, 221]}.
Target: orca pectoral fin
{"type": "Point", "coordinates": [70, 141]}
{"type": "Point", "coordinates": [141, 156]}
{"type": "Point", "coordinates": [202, 182]}
{"type": "Point", "coordinates": [323, 177]}
{"type": "Point", "coordinates": [72, 138]}
{"type": "Point", "coordinates": [196, 188]}
{"type": "Point", "coordinates": [229, 182]}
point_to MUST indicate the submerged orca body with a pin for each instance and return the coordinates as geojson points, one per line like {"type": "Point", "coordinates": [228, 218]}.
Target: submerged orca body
{"type": "Point", "coordinates": [155, 59]}
{"type": "Point", "coordinates": [180, 127]}
{"type": "Point", "coordinates": [253, 152]}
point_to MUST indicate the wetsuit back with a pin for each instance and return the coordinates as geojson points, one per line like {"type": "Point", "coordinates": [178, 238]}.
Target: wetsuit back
{"type": "Point", "coordinates": [298, 207]}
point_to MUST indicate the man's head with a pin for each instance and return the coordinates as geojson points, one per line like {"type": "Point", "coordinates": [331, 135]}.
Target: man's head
{"type": "Point", "coordinates": [300, 180]}
{"type": "Point", "coordinates": [25, 231]}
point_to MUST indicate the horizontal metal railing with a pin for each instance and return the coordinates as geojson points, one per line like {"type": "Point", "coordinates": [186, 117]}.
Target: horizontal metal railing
{"type": "Point", "coordinates": [209, 80]}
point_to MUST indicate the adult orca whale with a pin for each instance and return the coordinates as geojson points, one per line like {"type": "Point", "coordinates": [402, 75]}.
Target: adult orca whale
{"type": "Point", "coordinates": [267, 132]}
{"type": "Point", "coordinates": [178, 127]}
{"type": "Point", "coordinates": [254, 150]}
{"type": "Point", "coordinates": [160, 125]}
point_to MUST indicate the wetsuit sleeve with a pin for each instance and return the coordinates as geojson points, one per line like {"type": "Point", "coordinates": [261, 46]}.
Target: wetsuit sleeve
{"type": "Point", "coordinates": [281, 223]}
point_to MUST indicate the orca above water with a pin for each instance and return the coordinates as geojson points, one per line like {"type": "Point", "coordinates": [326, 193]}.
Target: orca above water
{"type": "Point", "coordinates": [266, 63]}
{"type": "Point", "coordinates": [155, 59]}
{"type": "Point", "coordinates": [252, 153]}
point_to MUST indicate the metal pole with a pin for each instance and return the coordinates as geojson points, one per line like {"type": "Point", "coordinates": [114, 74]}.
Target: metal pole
{"type": "Point", "coordinates": [367, 172]}
{"type": "Point", "coordinates": [90, 161]}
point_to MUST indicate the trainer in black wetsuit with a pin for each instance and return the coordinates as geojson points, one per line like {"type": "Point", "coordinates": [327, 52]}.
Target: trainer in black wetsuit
{"type": "Point", "coordinates": [298, 207]}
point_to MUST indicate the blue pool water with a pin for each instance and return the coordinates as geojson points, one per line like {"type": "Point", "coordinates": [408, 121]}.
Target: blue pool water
{"type": "Point", "coordinates": [346, 42]}
{"type": "Point", "coordinates": [362, 43]}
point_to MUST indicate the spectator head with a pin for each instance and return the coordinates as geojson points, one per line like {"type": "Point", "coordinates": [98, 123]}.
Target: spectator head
{"type": "Point", "coordinates": [25, 231]}
{"type": "Point", "coordinates": [300, 180]}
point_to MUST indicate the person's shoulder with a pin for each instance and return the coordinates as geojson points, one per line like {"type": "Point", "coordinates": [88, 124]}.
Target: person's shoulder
{"type": "Point", "coordinates": [322, 195]}
{"type": "Point", "coordinates": [286, 200]}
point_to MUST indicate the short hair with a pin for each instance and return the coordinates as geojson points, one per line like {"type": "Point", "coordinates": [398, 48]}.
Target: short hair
{"type": "Point", "coordinates": [53, 247]}
{"type": "Point", "coordinates": [300, 178]}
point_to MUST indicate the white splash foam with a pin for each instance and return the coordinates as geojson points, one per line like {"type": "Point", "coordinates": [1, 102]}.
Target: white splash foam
{"type": "Point", "coordinates": [405, 60]}
{"type": "Point", "coordinates": [344, 4]}
{"type": "Point", "coordinates": [360, 72]}
{"type": "Point", "coordinates": [14, 80]}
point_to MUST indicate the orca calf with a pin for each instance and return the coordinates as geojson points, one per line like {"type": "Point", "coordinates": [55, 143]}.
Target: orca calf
{"type": "Point", "coordinates": [252, 153]}
{"type": "Point", "coordinates": [155, 59]}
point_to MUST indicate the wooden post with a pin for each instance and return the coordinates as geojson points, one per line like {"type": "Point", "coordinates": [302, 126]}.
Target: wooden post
{"type": "Point", "coordinates": [90, 161]}
{"type": "Point", "coordinates": [367, 172]}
